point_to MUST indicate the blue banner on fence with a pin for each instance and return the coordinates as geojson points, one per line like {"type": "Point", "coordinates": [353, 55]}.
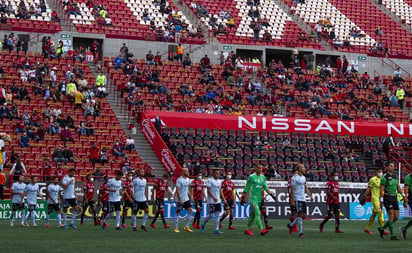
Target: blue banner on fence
{"type": "Point", "coordinates": [359, 212]}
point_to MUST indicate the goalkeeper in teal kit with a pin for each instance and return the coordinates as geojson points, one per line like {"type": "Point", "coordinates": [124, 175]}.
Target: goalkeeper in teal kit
{"type": "Point", "coordinates": [254, 185]}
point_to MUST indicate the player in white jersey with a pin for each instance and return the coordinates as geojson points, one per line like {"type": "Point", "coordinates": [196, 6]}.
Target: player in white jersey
{"type": "Point", "coordinates": [32, 192]}
{"type": "Point", "coordinates": [69, 197]}
{"type": "Point", "coordinates": [214, 196]}
{"type": "Point", "coordinates": [298, 189]}
{"type": "Point", "coordinates": [140, 200]}
{"type": "Point", "coordinates": [18, 191]}
{"type": "Point", "coordinates": [184, 195]}
{"type": "Point", "coordinates": [114, 186]}
{"type": "Point", "coordinates": [53, 201]}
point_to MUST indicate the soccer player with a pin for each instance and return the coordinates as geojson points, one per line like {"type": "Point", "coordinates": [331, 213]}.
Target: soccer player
{"type": "Point", "coordinates": [103, 198]}
{"type": "Point", "coordinates": [374, 191]}
{"type": "Point", "coordinates": [228, 189]}
{"type": "Point", "coordinates": [88, 199]}
{"type": "Point", "coordinates": [140, 200]}
{"type": "Point", "coordinates": [263, 212]}
{"type": "Point", "coordinates": [32, 192]}
{"type": "Point", "coordinates": [114, 187]}
{"type": "Point", "coordinates": [388, 197]}
{"type": "Point", "coordinates": [18, 191]}
{"type": "Point", "coordinates": [69, 198]}
{"type": "Point", "coordinates": [53, 201]}
{"type": "Point", "coordinates": [161, 186]}
{"type": "Point", "coordinates": [214, 194]}
{"type": "Point", "coordinates": [408, 192]}
{"type": "Point", "coordinates": [298, 188]}
{"type": "Point", "coordinates": [197, 186]}
{"type": "Point", "coordinates": [254, 185]}
{"type": "Point", "coordinates": [183, 197]}
{"type": "Point", "coordinates": [291, 204]}
{"type": "Point", "coordinates": [332, 202]}
{"type": "Point", "coordinates": [127, 197]}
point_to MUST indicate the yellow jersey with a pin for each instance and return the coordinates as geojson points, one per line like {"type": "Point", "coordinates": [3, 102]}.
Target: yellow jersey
{"type": "Point", "coordinates": [374, 185]}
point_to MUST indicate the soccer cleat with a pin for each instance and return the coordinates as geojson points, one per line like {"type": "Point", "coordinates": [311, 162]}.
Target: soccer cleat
{"type": "Point", "coordinates": [249, 232]}
{"type": "Point", "coordinates": [264, 231]}
{"type": "Point", "coordinates": [61, 225]}
{"type": "Point", "coordinates": [394, 238]}
{"type": "Point", "coordinates": [194, 225]}
{"type": "Point", "coordinates": [220, 224]}
{"type": "Point", "coordinates": [23, 224]}
{"type": "Point", "coordinates": [368, 231]}
{"type": "Point", "coordinates": [188, 229]}
{"type": "Point", "coordinates": [338, 231]}
{"type": "Point", "coordinates": [134, 228]}
{"type": "Point", "coordinates": [381, 232]}
{"type": "Point", "coordinates": [218, 232]}
{"type": "Point", "coordinates": [144, 228]}
{"type": "Point", "coordinates": [81, 223]}
{"type": "Point", "coordinates": [295, 229]}
{"type": "Point", "coordinates": [103, 225]}
{"type": "Point", "coordinates": [124, 226]}
{"type": "Point", "coordinates": [153, 225]}
{"type": "Point", "coordinates": [403, 232]}
{"type": "Point", "coordinates": [202, 228]}
{"type": "Point", "coordinates": [167, 226]}
{"type": "Point", "coordinates": [34, 225]}
{"type": "Point", "coordinates": [302, 235]}
{"type": "Point", "coordinates": [118, 228]}
{"type": "Point", "coordinates": [26, 224]}
{"type": "Point", "coordinates": [321, 228]}
{"type": "Point", "coordinates": [73, 226]}
{"type": "Point", "coordinates": [48, 226]}
{"type": "Point", "coordinates": [290, 229]}
{"type": "Point", "coordinates": [64, 227]}
{"type": "Point", "coordinates": [11, 223]}
{"type": "Point", "coordinates": [96, 223]}
{"type": "Point", "coordinates": [99, 221]}
{"type": "Point", "coordinates": [231, 227]}
{"type": "Point", "coordinates": [176, 230]}
{"type": "Point", "coordinates": [268, 227]}
{"type": "Point", "coordinates": [386, 232]}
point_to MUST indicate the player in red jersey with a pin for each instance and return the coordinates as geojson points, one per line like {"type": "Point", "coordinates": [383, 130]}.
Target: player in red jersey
{"type": "Point", "coordinates": [228, 189]}
{"type": "Point", "coordinates": [88, 199]}
{"type": "Point", "coordinates": [104, 198]}
{"type": "Point", "coordinates": [333, 202]}
{"type": "Point", "coordinates": [161, 186]}
{"type": "Point", "coordinates": [127, 197]}
{"type": "Point", "coordinates": [291, 204]}
{"type": "Point", "coordinates": [198, 195]}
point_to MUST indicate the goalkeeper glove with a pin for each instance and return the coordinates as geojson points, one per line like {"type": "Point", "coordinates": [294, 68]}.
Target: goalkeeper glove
{"type": "Point", "coordinates": [273, 196]}
{"type": "Point", "coordinates": [243, 199]}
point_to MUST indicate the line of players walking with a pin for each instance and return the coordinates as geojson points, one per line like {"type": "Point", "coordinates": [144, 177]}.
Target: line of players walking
{"type": "Point", "coordinates": [382, 188]}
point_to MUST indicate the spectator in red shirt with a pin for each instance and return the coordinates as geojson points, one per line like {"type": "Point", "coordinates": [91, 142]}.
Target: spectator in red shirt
{"type": "Point", "coordinates": [94, 154]}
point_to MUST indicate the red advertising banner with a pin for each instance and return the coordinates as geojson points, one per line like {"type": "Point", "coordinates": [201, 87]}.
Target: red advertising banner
{"type": "Point", "coordinates": [278, 124]}
{"type": "Point", "coordinates": [160, 148]}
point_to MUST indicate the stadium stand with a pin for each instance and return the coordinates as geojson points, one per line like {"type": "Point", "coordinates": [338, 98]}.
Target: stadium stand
{"type": "Point", "coordinates": [401, 8]}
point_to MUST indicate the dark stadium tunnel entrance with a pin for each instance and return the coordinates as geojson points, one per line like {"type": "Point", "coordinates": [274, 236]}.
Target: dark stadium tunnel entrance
{"type": "Point", "coordinates": [285, 56]}
{"type": "Point", "coordinates": [86, 43]}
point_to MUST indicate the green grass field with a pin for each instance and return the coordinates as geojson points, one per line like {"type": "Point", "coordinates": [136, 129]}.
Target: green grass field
{"type": "Point", "coordinates": [89, 238]}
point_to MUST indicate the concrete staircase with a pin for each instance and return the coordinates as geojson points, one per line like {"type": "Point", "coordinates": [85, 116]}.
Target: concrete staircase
{"type": "Point", "coordinates": [124, 116]}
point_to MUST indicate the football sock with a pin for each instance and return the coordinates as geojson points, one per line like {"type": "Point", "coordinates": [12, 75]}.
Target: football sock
{"type": "Point", "coordinates": [155, 218]}
{"type": "Point", "coordinates": [133, 220]}
{"type": "Point", "coordinates": [408, 225]}
{"type": "Point", "coordinates": [230, 220]}
{"type": "Point", "coordinates": [337, 222]}
{"type": "Point", "coordinates": [206, 220]}
{"type": "Point", "coordinates": [216, 220]}
{"type": "Point", "coordinates": [265, 217]}
{"type": "Point", "coordinates": [64, 218]}
{"type": "Point", "coordinates": [163, 218]}
{"type": "Point", "coordinates": [23, 216]}
{"type": "Point", "coordinates": [123, 217]}
{"type": "Point", "coordinates": [117, 218]}
{"type": "Point", "coordinates": [145, 216]}
{"type": "Point", "coordinates": [300, 224]}
{"type": "Point", "coordinates": [381, 220]}
{"type": "Point", "coordinates": [108, 216]}
{"type": "Point", "coordinates": [188, 218]}
{"type": "Point", "coordinates": [73, 217]}
{"type": "Point", "coordinates": [94, 216]}
{"type": "Point", "coordinates": [325, 220]}
{"type": "Point", "coordinates": [223, 217]}
{"type": "Point", "coordinates": [47, 219]}
{"type": "Point", "coordinates": [251, 220]}
{"type": "Point", "coordinates": [371, 220]}
{"type": "Point", "coordinates": [59, 218]}
{"type": "Point", "coordinates": [33, 217]}
{"type": "Point", "coordinates": [176, 220]}
{"type": "Point", "coordinates": [12, 216]}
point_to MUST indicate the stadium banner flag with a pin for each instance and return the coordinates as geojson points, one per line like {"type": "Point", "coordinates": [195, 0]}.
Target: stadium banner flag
{"type": "Point", "coordinates": [159, 147]}
{"type": "Point", "coordinates": [280, 124]}
{"type": "Point", "coordinates": [41, 210]}
{"type": "Point", "coordinates": [359, 212]}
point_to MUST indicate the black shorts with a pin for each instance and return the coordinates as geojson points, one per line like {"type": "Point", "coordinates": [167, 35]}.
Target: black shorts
{"type": "Point", "coordinates": [213, 208]}
{"type": "Point", "coordinates": [88, 203]}
{"type": "Point", "coordinates": [186, 205]}
{"type": "Point", "coordinates": [52, 207]}
{"type": "Point", "coordinates": [69, 203]}
{"type": "Point", "coordinates": [32, 207]}
{"type": "Point", "coordinates": [198, 204]}
{"type": "Point", "coordinates": [300, 206]}
{"type": "Point", "coordinates": [17, 206]}
{"type": "Point", "coordinates": [127, 204]}
{"type": "Point", "coordinates": [333, 209]}
{"type": "Point", "coordinates": [230, 204]}
{"type": "Point", "coordinates": [390, 203]}
{"type": "Point", "coordinates": [160, 203]}
{"type": "Point", "coordinates": [114, 206]}
{"type": "Point", "coordinates": [139, 206]}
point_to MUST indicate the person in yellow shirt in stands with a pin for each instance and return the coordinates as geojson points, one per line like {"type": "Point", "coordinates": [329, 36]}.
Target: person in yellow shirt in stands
{"type": "Point", "coordinates": [180, 52]}
{"type": "Point", "coordinates": [101, 83]}
{"type": "Point", "coordinates": [374, 191]}
{"type": "Point", "coordinates": [78, 99]}
{"type": "Point", "coordinates": [231, 22]}
{"type": "Point", "coordinates": [103, 13]}
{"type": "Point", "coordinates": [400, 95]}
{"type": "Point", "coordinates": [70, 90]}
